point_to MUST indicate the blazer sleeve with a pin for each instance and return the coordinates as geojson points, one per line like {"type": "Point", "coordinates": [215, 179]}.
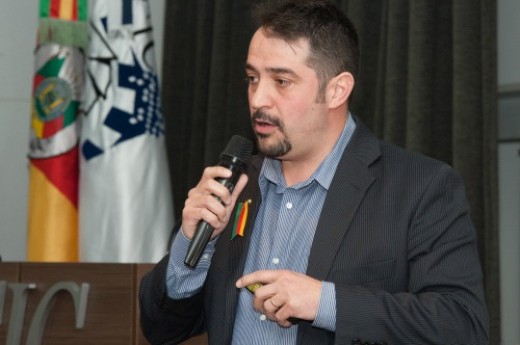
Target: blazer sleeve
{"type": "Point", "coordinates": [444, 303]}
{"type": "Point", "coordinates": [164, 320]}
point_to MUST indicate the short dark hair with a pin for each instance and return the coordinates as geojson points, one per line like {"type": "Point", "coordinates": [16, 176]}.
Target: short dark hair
{"type": "Point", "coordinates": [333, 40]}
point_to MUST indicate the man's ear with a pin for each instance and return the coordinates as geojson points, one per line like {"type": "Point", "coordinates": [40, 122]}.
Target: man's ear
{"type": "Point", "coordinates": [339, 89]}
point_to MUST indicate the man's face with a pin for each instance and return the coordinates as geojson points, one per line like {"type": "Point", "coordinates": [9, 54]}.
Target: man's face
{"type": "Point", "coordinates": [282, 92]}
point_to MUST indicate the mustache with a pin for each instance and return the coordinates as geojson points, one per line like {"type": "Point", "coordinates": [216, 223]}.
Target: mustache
{"type": "Point", "coordinates": [260, 115]}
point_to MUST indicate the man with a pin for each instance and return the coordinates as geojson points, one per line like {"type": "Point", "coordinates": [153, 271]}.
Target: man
{"type": "Point", "coordinates": [349, 240]}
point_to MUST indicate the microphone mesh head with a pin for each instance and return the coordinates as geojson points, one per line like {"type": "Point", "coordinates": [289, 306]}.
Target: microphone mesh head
{"type": "Point", "coordinates": [240, 148]}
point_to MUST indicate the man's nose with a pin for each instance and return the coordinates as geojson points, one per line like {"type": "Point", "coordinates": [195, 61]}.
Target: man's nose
{"type": "Point", "coordinates": [260, 96]}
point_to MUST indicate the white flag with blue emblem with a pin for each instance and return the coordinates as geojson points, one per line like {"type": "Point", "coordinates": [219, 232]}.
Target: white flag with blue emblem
{"type": "Point", "coordinates": [125, 204]}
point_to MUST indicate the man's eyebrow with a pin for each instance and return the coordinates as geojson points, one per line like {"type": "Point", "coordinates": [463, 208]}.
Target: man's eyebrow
{"type": "Point", "coordinates": [249, 67]}
{"type": "Point", "coordinates": [272, 70]}
{"type": "Point", "coordinates": [281, 70]}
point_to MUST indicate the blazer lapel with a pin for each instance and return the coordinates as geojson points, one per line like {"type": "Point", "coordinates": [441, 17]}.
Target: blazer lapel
{"type": "Point", "coordinates": [239, 245]}
{"type": "Point", "coordinates": [347, 189]}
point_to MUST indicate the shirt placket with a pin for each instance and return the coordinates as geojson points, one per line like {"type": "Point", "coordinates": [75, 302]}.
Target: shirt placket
{"type": "Point", "coordinates": [279, 256]}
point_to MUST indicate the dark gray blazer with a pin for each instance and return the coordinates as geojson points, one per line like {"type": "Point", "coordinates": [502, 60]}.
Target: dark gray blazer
{"type": "Point", "coordinates": [394, 236]}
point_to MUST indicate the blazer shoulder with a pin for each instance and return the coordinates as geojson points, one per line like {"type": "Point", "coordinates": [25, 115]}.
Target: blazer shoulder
{"type": "Point", "coordinates": [398, 155]}
{"type": "Point", "coordinates": [376, 154]}
{"type": "Point", "coordinates": [368, 148]}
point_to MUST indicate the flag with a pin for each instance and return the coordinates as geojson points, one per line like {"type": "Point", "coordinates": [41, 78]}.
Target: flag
{"type": "Point", "coordinates": [126, 212]}
{"type": "Point", "coordinates": [53, 151]}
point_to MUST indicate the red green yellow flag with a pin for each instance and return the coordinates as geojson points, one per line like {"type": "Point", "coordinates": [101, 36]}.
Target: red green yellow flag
{"type": "Point", "coordinates": [240, 219]}
{"type": "Point", "coordinates": [53, 153]}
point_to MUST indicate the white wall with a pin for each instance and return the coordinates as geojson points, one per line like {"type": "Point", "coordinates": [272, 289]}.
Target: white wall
{"type": "Point", "coordinates": [509, 189]}
{"type": "Point", "coordinates": [509, 167]}
{"type": "Point", "coordinates": [508, 42]}
{"type": "Point", "coordinates": [16, 61]}
{"type": "Point", "coordinates": [18, 22]}
{"type": "Point", "coordinates": [509, 211]}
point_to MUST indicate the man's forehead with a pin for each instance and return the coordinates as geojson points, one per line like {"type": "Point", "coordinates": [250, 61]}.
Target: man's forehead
{"type": "Point", "coordinates": [266, 39]}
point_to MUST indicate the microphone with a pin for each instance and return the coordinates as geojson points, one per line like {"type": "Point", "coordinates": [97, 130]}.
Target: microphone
{"type": "Point", "coordinates": [235, 157]}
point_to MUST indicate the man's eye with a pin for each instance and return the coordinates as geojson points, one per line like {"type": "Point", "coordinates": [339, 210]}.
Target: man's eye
{"type": "Point", "coordinates": [251, 79]}
{"type": "Point", "coordinates": [283, 82]}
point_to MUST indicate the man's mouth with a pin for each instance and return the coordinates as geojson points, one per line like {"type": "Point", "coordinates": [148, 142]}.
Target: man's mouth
{"type": "Point", "coordinates": [263, 127]}
{"type": "Point", "coordinates": [264, 123]}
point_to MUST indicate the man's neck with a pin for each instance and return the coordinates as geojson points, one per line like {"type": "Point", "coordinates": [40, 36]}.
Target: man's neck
{"type": "Point", "coordinates": [299, 170]}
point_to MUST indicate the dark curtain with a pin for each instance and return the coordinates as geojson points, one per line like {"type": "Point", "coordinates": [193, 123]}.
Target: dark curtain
{"type": "Point", "coordinates": [427, 83]}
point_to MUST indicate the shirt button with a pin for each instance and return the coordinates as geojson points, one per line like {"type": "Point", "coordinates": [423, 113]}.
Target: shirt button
{"type": "Point", "coordinates": [276, 261]}
{"type": "Point", "coordinates": [289, 205]}
{"type": "Point", "coordinates": [263, 317]}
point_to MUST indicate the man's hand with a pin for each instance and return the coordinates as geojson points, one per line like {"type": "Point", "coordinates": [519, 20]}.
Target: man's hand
{"type": "Point", "coordinates": [284, 294]}
{"type": "Point", "coordinates": [202, 203]}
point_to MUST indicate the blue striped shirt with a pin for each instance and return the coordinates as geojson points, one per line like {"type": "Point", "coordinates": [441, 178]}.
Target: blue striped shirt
{"type": "Point", "coordinates": [282, 238]}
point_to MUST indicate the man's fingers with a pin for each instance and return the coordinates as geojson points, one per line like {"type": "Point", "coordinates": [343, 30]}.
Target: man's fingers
{"type": "Point", "coordinates": [242, 181]}
{"type": "Point", "coordinates": [210, 201]}
{"type": "Point", "coordinates": [263, 277]}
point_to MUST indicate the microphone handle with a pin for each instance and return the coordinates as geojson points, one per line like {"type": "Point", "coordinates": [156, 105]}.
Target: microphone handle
{"type": "Point", "coordinates": [198, 243]}
{"type": "Point", "coordinates": [204, 230]}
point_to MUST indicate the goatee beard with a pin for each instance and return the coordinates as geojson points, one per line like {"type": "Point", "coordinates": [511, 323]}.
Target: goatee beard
{"type": "Point", "coordinates": [280, 147]}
